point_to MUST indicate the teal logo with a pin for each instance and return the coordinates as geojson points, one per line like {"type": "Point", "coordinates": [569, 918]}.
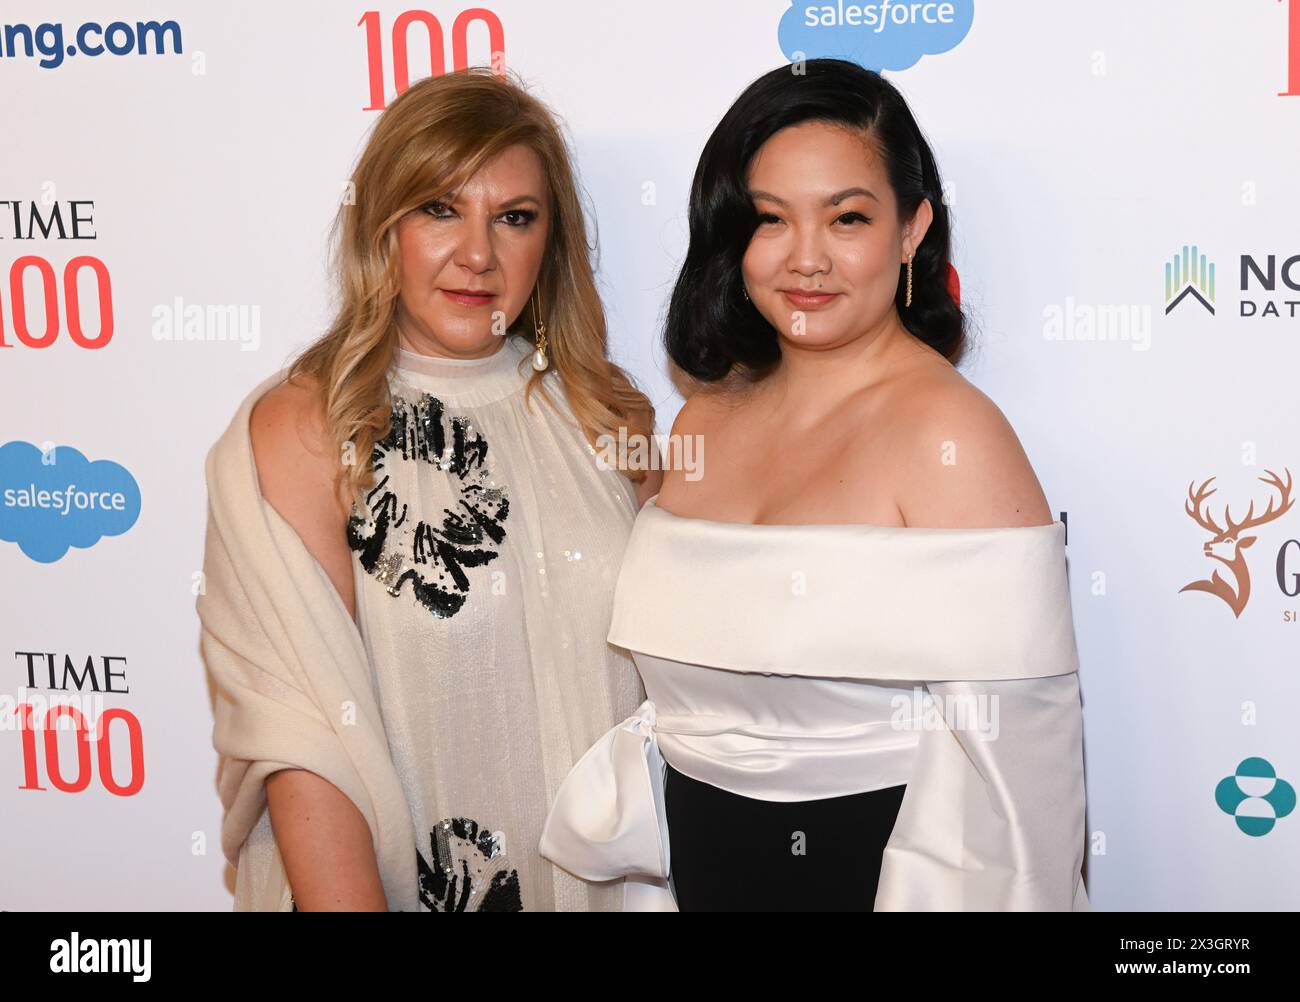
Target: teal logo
{"type": "Point", "coordinates": [1255, 796]}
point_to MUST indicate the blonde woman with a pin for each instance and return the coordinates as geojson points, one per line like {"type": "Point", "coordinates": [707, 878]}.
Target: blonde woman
{"type": "Point", "coordinates": [412, 546]}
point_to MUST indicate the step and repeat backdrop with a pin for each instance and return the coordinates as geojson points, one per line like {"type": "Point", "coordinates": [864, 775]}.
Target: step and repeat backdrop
{"type": "Point", "coordinates": [1123, 182]}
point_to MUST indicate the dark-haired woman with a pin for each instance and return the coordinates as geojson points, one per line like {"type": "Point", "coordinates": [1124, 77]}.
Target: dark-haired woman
{"type": "Point", "coordinates": [854, 629]}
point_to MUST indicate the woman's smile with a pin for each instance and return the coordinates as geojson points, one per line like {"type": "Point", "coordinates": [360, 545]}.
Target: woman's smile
{"type": "Point", "coordinates": [809, 300]}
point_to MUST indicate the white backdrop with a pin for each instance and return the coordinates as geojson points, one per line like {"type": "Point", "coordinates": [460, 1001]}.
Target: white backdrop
{"type": "Point", "coordinates": [1084, 144]}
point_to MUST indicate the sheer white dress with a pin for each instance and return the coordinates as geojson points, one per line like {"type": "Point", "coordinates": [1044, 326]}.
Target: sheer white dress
{"type": "Point", "coordinates": [485, 563]}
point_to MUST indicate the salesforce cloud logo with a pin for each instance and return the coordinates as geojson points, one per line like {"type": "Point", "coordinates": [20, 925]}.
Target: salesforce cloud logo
{"type": "Point", "coordinates": [52, 500]}
{"type": "Point", "coordinates": [878, 34]}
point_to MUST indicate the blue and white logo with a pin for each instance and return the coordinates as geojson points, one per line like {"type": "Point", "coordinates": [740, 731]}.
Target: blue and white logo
{"type": "Point", "coordinates": [56, 499]}
{"type": "Point", "coordinates": [878, 34]}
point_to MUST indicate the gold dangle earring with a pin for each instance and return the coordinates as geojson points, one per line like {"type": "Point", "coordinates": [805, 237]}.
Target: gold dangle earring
{"type": "Point", "coordinates": [910, 255]}
{"type": "Point", "coordinates": [540, 361]}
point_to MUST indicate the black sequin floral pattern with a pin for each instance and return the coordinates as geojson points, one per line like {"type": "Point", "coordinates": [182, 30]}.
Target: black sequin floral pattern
{"type": "Point", "coordinates": [467, 870]}
{"type": "Point", "coordinates": [396, 547]}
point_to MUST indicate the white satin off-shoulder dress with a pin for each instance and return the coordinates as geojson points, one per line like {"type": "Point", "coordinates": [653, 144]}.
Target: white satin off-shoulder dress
{"type": "Point", "coordinates": [798, 662]}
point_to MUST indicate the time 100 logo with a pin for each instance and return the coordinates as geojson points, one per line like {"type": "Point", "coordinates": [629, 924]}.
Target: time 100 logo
{"type": "Point", "coordinates": [401, 29]}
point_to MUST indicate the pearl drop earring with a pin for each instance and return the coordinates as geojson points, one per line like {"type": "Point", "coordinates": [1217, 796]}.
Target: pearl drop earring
{"type": "Point", "coordinates": [540, 361]}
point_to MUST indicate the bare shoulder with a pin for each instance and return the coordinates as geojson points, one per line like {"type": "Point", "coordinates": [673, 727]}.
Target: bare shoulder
{"type": "Point", "coordinates": [702, 418]}
{"type": "Point", "coordinates": [711, 406]}
{"type": "Point", "coordinates": [963, 464]}
{"type": "Point", "coordinates": [287, 428]}
{"type": "Point", "coordinates": [296, 464]}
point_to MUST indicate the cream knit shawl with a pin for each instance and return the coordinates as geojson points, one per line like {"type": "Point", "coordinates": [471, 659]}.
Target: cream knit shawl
{"type": "Point", "coordinates": [294, 686]}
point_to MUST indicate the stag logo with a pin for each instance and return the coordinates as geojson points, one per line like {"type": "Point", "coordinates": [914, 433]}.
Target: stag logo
{"type": "Point", "coordinates": [1228, 541]}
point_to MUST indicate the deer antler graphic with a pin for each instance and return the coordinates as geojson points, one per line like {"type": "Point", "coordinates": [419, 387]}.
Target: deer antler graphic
{"type": "Point", "coordinates": [1228, 541]}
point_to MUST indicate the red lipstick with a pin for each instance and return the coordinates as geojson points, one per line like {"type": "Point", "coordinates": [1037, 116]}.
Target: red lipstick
{"type": "Point", "coordinates": [469, 297]}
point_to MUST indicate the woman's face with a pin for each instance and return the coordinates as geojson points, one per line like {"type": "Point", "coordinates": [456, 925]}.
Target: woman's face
{"type": "Point", "coordinates": [828, 225]}
{"type": "Point", "coordinates": [471, 260]}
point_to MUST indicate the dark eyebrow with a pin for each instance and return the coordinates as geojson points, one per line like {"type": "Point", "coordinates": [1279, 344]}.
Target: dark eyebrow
{"type": "Point", "coordinates": [835, 199]}
{"type": "Point", "coordinates": [451, 197]}
{"type": "Point", "coordinates": [849, 193]}
{"type": "Point", "coordinates": [520, 200]}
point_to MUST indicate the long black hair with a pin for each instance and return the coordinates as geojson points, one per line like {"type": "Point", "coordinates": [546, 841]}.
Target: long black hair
{"type": "Point", "coordinates": [711, 327]}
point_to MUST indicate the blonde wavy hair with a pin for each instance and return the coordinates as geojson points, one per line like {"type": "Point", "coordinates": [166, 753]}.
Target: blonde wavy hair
{"type": "Point", "coordinates": [429, 142]}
